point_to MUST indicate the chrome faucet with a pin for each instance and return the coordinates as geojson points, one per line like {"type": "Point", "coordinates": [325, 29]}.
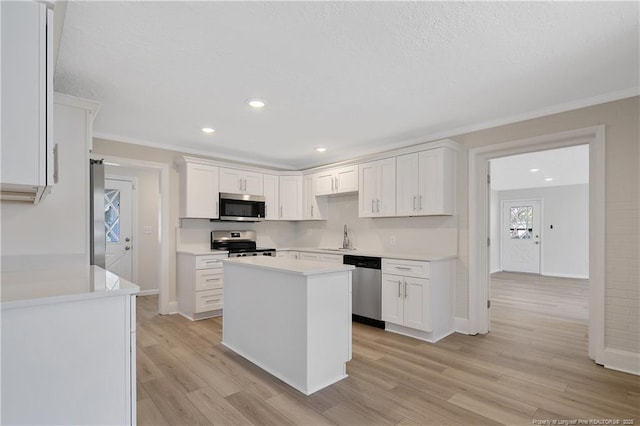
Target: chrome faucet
{"type": "Point", "coordinates": [346, 242]}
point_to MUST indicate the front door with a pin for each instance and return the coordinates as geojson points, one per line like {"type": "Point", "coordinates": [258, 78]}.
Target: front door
{"type": "Point", "coordinates": [118, 214]}
{"type": "Point", "coordinates": [521, 236]}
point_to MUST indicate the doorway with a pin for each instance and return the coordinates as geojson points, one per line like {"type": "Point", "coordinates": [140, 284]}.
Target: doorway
{"type": "Point", "coordinates": [479, 191]}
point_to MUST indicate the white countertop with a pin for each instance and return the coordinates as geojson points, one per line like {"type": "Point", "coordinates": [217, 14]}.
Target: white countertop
{"type": "Point", "coordinates": [293, 266]}
{"type": "Point", "coordinates": [31, 288]}
{"type": "Point", "coordinates": [428, 257]}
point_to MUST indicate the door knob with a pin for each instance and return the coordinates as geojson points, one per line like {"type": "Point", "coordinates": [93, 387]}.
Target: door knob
{"type": "Point", "coordinates": [127, 239]}
{"type": "Point", "coordinates": [537, 242]}
{"type": "Point", "coordinates": [127, 248]}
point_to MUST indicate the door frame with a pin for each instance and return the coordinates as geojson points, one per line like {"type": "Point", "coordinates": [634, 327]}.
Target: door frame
{"type": "Point", "coordinates": [502, 229]}
{"type": "Point", "coordinates": [134, 219]}
{"type": "Point", "coordinates": [479, 224]}
{"type": "Point", "coordinates": [165, 306]}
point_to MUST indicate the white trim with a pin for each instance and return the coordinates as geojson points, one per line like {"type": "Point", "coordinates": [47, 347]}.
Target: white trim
{"type": "Point", "coordinates": [478, 228]}
{"type": "Point", "coordinates": [134, 221]}
{"type": "Point", "coordinates": [461, 325]}
{"type": "Point", "coordinates": [148, 292]}
{"type": "Point", "coordinates": [560, 275]}
{"type": "Point", "coordinates": [165, 305]}
{"type": "Point", "coordinates": [628, 362]}
{"type": "Point", "coordinates": [63, 99]}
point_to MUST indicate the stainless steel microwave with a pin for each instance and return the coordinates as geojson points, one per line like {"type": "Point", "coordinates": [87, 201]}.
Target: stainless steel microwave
{"type": "Point", "coordinates": [241, 207]}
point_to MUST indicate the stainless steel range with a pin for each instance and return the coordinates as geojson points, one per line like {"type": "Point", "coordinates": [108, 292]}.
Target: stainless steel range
{"type": "Point", "coordinates": [239, 243]}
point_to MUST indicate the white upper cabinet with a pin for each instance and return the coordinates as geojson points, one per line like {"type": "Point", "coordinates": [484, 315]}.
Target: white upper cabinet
{"type": "Point", "coordinates": [237, 181]}
{"type": "Point", "coordinates": [337, 181]}
{"type": "Point", "coordinates": [199, 194]}
{"type": "Point", "coordinates": [426, 183]}
{"type": "Point", "coordinates": [312, 208]}
{"type": "Point", "coordinates": [290, 198]}
{"type": "Point", "coordinates": [271, 197]}
{"type": "Point", "coordinates": [28, 161]}
{"type": "Point", "coordinates": [377, 188]}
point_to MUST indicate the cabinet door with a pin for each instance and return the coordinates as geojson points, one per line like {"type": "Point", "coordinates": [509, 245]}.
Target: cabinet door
{"type": "Point", "coordinates": [27, 93]}
{"type": "Point", "coordinates": [200, 199]}
{"type": "Point", "coordinates": [407, 185]}
{"type": "Point", "coordinates": [346, 179]}
{"type": "Point", "coordinates": [416, 310]}
{"type": "Point", "coordinates": [436, 181]}
{"type": "Point", "coordinates": [386, 184]}
{"type": "Point", "coordinates": [368, 194]}
{"type": "Point", "coordinates": [290, 197]}
{"type": "Point", "coordinates": [331, 258]}
{"type": "Point", "coordinates": [308, 195]}
{"type": "Point", "coordinates": [325, 183]}
{"type": "Point", "coordinates": [271, 196]}
{"type": "Point", "coordinates": [252, 183]}
{"type": "Point", "coordinates": [392, 299]}
{"type": "Point", "coordinates": [230, 181]}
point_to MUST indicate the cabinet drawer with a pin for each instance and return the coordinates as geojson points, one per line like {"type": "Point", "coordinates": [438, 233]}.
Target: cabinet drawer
{"type": "Point", "coordinates": [208, 300]}
{"type": "Point", "coordinates": [331, 258]}
{"type": "Point", "coordinates": [208, 279]}
{"type": "Point", "coordinates": [309, 256]}
{"type": "Point", "coordinates": [207, 262]}
{"type": "Point", "coordinates": [409, 268]}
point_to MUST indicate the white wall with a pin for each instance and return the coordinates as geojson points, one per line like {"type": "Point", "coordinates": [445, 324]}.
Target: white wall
{"type": "Point", "coordinates": [435, 234]}
{"type": "Point", "coordinates": [146, 246]}
{"type": "Point", "coordinates": [564, 250]}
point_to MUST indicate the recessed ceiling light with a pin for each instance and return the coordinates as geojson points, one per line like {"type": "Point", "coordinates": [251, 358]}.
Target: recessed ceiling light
{"type": "Point", "coordinates": [321, 149]}
{"type": "Point", "coordinates": [256, 103]}
{"type": "Point", "coordinates": [534, 170]}
{"type": "Point", "coordinates": [208, 130]}
{"type": "Point", "coordinates": [548, 179]}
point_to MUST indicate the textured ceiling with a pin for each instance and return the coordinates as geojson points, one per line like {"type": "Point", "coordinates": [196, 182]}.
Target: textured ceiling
{"type": "Point", "coordinates": [566, 166]}
{"type": "Point", "coordinates": [356, 77]}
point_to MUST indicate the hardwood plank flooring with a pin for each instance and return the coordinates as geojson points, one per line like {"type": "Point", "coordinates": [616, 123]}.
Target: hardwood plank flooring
{"type": "Point", "coordinates": [533, 365]}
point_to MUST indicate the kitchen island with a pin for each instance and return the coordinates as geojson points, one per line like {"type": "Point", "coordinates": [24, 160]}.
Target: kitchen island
{"type": "Point", "coordinates": [68, 347]}
{"type": "Point", "coordinates": [290, 317]}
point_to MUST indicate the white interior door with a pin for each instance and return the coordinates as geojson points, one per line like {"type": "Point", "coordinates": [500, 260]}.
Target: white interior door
{"type": "Point", "coordinates": [520, 229]}
{"type": "Point", "coordinates": [118, 219]}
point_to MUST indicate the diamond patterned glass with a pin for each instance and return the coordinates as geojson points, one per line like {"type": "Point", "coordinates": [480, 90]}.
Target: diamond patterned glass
{"type": "Point", "coordinates": [112, 215]}
{"type": "Point", "coordinates": [521, 225]}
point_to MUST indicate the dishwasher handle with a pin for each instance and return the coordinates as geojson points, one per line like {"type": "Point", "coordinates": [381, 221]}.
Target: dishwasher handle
{"type": "Point", "coordinates": [367, 262]}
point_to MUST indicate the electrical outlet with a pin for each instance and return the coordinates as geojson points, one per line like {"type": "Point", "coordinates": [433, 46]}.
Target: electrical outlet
{"type": "Point", "coordinates": [147, 229]}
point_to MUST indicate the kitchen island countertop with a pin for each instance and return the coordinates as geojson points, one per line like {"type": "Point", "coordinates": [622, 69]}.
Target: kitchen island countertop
{"type": "Point", "coordinates": [292, 266]}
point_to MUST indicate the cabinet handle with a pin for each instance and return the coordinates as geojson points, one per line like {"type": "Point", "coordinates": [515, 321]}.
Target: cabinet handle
{"type": "Point", "coordinates": [280, 211]}
{"type": "Point", "coordinates": [378, 205]}
{"type": "Point", "coordinates": [55, 163]}
{"type": "Point", "coordinates": [211, 301]}
{"type": "Point", "coordinates": [420, 203]}
{"type": "Point", "coordinates": [213, 279]}
{"type": "Point", "coordinates": [208, 275]}
{"type": "Point", "coordinates": [399, 284]}
{"type": "Point", "coordinates": [337, 184]}
{"type": "Point", "coordinates": [414, 202]}
{"type": "Point", "coordinates": [245, 184]}
{"type": "Point", "coordinates": [332, 184]}
{"type": "Point", "coordinates": [405, 289]}
{"type": "Point", "coordinates": [311, 210]}
{"type": "Point", "coordinates": [371, 206]}
{"type": "Point", "coordinates": [211, 261]}
{"type": "Point", "coordinates": [403, 268]}
{"type": "Point", "coordinates": [217, 208]}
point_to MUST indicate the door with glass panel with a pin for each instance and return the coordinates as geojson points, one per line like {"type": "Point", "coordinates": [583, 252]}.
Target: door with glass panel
{"type": "Point", "coordinates": [118, 214]}
{"type": "Point", "coordinates": [521, 225]}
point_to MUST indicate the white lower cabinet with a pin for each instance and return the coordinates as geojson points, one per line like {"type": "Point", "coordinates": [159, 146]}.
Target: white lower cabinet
{"type": "Point", "coordinates": [309, 256]}
{"type": "Point", "coordinates": [200, 285]}
{"type": "Point", "coordinates": [417, 298]}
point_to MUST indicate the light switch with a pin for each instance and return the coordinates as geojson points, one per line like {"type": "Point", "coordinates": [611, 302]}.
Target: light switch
{"type": "Point", "coordinates": [147, 229]}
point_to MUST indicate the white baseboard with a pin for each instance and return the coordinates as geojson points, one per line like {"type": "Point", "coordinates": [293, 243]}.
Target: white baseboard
{"type": "Point", "coordinates": [148, 292]}
{"type": "Point", "coordinates": [625, 361]}
{"type": "Point", "coordinates": [561, 275]}
{"type": "Point", "coordinates": [461, 325]}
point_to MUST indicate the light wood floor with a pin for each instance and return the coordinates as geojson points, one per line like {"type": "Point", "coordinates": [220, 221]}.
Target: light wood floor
{"type": "Point", "coordinates": [532, 366]}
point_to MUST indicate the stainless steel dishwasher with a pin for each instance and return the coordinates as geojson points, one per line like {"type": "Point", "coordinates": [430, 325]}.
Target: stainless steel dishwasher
{"type": "Point", "coordinates": [367, 289]}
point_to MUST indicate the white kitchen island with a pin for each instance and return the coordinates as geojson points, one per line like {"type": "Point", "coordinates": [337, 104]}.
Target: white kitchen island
{"type": "Point", "coordinates": [68, 347]}
{"type": "Point", "coordinates": [290, 317]}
